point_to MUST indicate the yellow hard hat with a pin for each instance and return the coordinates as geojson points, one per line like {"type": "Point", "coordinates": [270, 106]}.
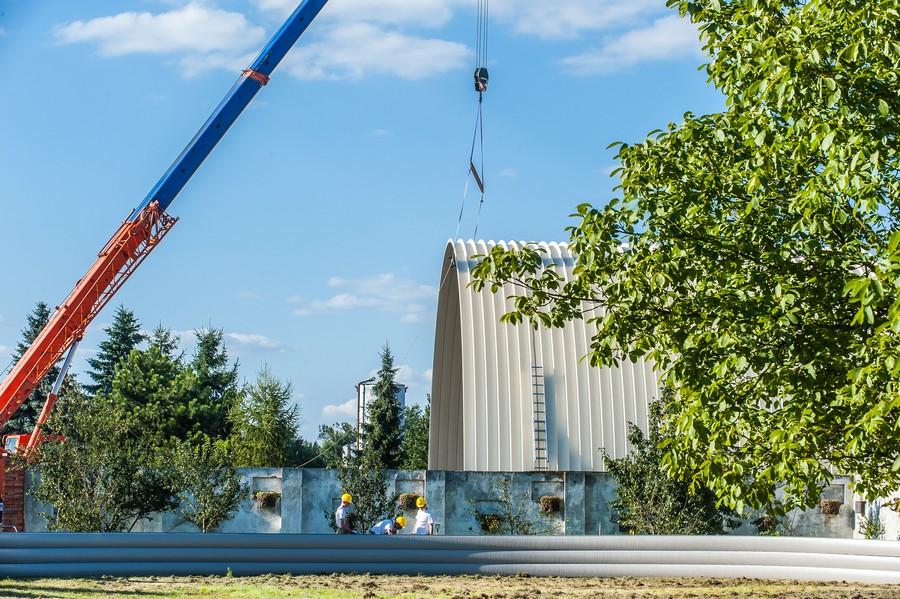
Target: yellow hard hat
{"type": "Point", "coordinates": [401, 520]}
{"type": "Point", "coordinates": [347, 498]}
{"type": "Point", "coordinates": [420, 502]}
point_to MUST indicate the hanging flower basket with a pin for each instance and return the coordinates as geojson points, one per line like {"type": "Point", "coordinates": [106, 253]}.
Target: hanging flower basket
{"type": "Point", "coordinates": [551, 504]}
{"type": "Point", "coordinates": [267, 499]}
{"type": "Point", "coordinates": [830, 507]}
{"type": "Point", "coordinates": [408, 501]}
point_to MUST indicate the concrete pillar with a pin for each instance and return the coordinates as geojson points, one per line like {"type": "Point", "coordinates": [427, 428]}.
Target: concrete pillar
{"type": "Point", "coordinates": [436, 493]}
{"type": "Point", "coordinates": [292, 501]}
{"type": "Point", "coordinates": [574, 503]}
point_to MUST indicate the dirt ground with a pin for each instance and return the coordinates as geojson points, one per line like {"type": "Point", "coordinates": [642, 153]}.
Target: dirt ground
{"type": "Point", "coordinates": [414, 587]}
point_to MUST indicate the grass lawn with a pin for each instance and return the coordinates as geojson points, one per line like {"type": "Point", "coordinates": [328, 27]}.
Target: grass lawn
{"type": "Point", "coordinates": [447, 587]}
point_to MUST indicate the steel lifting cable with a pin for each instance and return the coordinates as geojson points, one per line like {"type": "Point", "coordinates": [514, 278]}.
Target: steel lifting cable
{"type": "Point", "coordinates": [473, 172]}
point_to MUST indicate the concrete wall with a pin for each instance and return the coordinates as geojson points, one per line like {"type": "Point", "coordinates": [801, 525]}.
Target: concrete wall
{"type": "Point", "coordinates": [308, 495]}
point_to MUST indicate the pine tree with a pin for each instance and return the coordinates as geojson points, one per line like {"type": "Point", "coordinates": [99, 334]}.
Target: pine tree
{"type": "Point", "coordinates": [217, 382]}
{"type": "Point", "coordinates": [382, 434]}
{"type": "Point", "coordinates": [122, 336]}
{"type": "Point", "coordinates": [155, 389]}
{"type": "Point", "coordinates": [264, 423]}
{"type": "Point", "coordinates": [24, 419]}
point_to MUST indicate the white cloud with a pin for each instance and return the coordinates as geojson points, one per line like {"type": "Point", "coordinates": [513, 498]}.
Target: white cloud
{"type": "Point", "coordinates": [202, 36]}
{"type": "Point", "coordinates": [249, 295]}
{"type": "Point", "coordinates": [254, 340]}
{"type": "Point", "coordinates": [2, 31]}
{"type": "Point", "coordinates": [509, 173]}
{"type": "Point", "coordinates": [357, 50]}
{"type": "Point", "coordinates": [195, 27]}
{"type": "Point", "coordinates": [425, 13]}
{"type": "Point", "coordinates": [666, 38]}
{"type": "Point", "coordinates": [566, 19]}
{"type": "Point", "coordinates": [5, 349]}
{"type": "Point", "coordinates": [385, 292]}
{"type": "Point", "coordinates": [381, 132]}
{"type": "Point", "coordinates": [346, 410]}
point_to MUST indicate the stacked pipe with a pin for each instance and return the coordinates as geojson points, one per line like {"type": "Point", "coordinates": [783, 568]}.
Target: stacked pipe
{"type": "Point", "coordinates": [155, 554]}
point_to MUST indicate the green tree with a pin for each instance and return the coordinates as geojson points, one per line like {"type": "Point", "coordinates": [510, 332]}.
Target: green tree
{"type": "Point", "coordinates": [381, 432]}
{"type": "Point", "coordinates": [650, 502]}
{"type": "Point", "coordinates": [414, 447]}
{"type": "Point", "coordinates": [217, 381]}
{"type": "Point", "coordinates": [107, 475]}
{"type": "Point", "coordinates": [362, 475]}
{"type": "Point", "coordinates": [122, 336]}
{"type": "Point", "coordinates": [332, 441]}
{"type": "Point", "coordinates": [305, 454]}
{"type": "Point", "coordinates": [25, 417]}
{"type": "Point", "coordinates": [159, 392]}
{"type": "Point", "coordinates": [210, 489]}
{"type": "Point", "coordinates": [753, 256]}
{"type": "Point", "coordinates": [264, 423]}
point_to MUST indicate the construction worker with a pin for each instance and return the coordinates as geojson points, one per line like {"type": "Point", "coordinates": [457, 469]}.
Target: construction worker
{"type": "Point", "coordinates": [424, 521]}
{"type": "Point", "coordinates": [389, 526]}
{"type": "Point", "coordinates": [343, 515]}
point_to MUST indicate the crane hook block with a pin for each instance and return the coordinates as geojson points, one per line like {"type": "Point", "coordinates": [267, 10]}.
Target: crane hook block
{"type": "Point", "coordinates": [481, 80]}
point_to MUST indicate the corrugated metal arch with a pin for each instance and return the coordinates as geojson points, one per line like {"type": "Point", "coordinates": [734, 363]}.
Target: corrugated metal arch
{"type": "Point", "coordinates": [481, 413]}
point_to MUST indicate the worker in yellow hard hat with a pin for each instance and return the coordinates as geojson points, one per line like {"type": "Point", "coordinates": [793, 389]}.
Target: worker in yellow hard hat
{"type": "Point", "coordinates": [389, 526]}
{"type": "Point", "coordinates": [343, 515]}
{"type": "Point", "coordinates": [424, 520]}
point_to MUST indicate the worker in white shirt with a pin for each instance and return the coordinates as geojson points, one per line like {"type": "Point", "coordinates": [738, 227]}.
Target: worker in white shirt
{"type": "Point", "coordinates": [389, 526]}
{"type": "Point", "coordinates": [343, 514]}
{"type": "Point", "coordinates": [424, 521]}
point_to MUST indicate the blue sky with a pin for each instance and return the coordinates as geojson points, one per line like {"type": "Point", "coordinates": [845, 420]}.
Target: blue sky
{"type": "Point", "coordinates": [314, 233]}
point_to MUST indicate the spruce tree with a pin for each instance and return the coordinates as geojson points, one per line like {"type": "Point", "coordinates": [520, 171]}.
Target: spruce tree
{"type": "Point", "coordinates": [155, 389]}
{"type": "Point", "coordinates": [24, 419]}
{"type": "Point", "coordinates": [122, 336]}
{"type": "Point", "coordinates": [217, 382]}
{"type": "Point", "coordinates": [264, 423]}
{"type": "Point", "coordinates": [382, 434]}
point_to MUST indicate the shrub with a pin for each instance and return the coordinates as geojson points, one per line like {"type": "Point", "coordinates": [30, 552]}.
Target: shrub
{"type": "Point", "coordinates": [490, 523]}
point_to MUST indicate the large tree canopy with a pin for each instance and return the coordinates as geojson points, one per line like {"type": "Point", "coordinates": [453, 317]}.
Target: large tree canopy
{"type": "Point", "coordinates": [754, 255]}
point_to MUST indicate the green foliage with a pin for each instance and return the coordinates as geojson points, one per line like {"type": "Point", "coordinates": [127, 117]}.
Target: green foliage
{"type": "Point", "coordinates": [26, 416]}
{"type": "Point", "coordinates": [264, 423]}
{"type": "Point", "coordinates": [107, 475]}
{"type": "Point", "coordinates": [414, 446]}
{"type": "Point", "coordinates": [155, 390]}
{"type": "Point", "coordinates": [122, 337]}
{"type": "Point", "coordinates": [210, 489]}
{"type": "Point", "coordinates": [649, 502]}
{"type": "Point", "coordinates": [217, 387]}
{"type": "Point", "coordinates": [332, 441]}
{"type": "Point", "coordinates": [872, 528]}
{"type": "Point", "coordinates": [503, 513]}
{"type": "Point", "coordinates": [754, 256]}
{"type": "Point", "coordinates": [362, 476]}
{"type": "Point", "coordinates": [305, 454]}
{"type": "Point", "coordinates": [382, 432]}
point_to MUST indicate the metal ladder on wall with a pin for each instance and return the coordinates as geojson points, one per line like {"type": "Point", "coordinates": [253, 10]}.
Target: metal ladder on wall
{"type": "Point", "coordinates": [539, 410]}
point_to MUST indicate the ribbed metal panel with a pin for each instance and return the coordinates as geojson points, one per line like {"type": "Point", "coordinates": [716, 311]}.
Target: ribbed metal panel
{"type": "Point", "coordinates": [94, 555]}
{"type": "Point", "coordinates": [482, 384]}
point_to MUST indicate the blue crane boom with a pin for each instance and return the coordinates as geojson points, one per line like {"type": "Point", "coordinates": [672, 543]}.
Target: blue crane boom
{"type": "Point", "coordinates": [141, 231]}
{"type": "Point", "coordinates": [237, 99]}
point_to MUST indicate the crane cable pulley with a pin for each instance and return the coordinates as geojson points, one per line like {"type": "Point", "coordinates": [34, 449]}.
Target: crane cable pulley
{"type": "Point", "coordinates": [482, 79]}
